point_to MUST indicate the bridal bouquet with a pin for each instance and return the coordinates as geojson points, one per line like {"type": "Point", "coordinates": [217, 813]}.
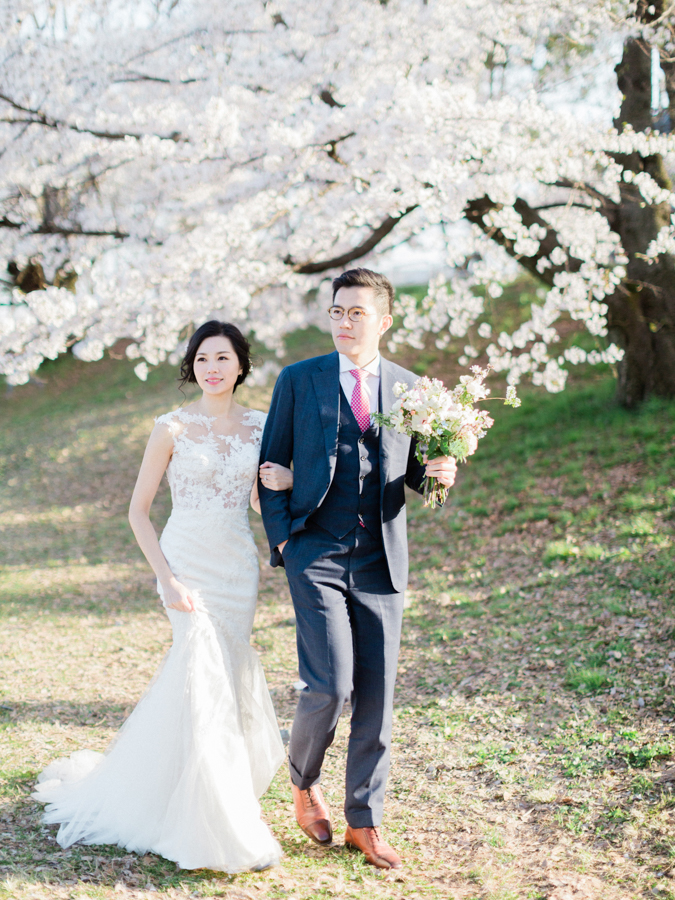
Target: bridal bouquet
{"type": "Point", "coordinates": [443, 422]}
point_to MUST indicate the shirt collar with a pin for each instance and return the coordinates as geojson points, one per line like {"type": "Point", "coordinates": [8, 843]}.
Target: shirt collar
{"type": "Point", "coordinates": [373, 367]}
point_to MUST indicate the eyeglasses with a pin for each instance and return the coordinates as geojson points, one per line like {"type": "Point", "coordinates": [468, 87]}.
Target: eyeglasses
{"type": "Point", "coordinates": [355, 313]}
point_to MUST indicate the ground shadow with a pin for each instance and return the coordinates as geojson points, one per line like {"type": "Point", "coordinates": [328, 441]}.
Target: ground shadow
{"type": "Point", "coordinates": [64, 712]}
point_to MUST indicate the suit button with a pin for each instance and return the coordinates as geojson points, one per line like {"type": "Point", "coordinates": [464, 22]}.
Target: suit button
{"type": "Point", "coordinates": [364, 458]}
{"type": "Point", "coordinates": [362, 477]}
{"type": "Point", "coordinates": [362, 440]}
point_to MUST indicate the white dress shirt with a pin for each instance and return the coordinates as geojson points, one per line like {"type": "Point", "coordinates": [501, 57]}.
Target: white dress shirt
{"type": "Point", "coordinates": [371, 383]}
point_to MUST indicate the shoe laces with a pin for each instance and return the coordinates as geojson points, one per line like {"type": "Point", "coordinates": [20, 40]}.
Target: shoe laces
{"type": "Point", "coordinates": [311, 796]}
{"type": "Point", "coordinates": [374, 833]}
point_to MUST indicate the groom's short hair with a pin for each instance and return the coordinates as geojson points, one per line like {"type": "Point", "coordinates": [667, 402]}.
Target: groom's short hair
{"type": "Point", "coordinates": [383, 289]}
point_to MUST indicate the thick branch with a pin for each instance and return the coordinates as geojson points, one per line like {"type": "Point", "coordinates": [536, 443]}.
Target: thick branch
{"type": "Point", "coordinates": [329, 99]}
{"type": "Point", "coordinates": [638, 222]}
{"type": "Point", "coordinates": [634, 80]}
{"type": "Point", "coordinates": [477, 212]}
{"type": "Point", "coordinates": [338, 262]}
{"type": "Point", "coordinates": [668, 66]}
{"type": "Point", "coordinates": [7, 223]}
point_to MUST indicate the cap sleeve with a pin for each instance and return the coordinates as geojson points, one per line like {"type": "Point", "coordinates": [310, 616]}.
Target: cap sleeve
{"type": "Point", "coordinates": [171, 421]}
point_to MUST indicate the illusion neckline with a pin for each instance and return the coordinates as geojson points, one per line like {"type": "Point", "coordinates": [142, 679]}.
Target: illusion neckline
{"type": "Point", "coordinates": [210, 419]}
{"type": "Point", "coordinates": [181, 409]}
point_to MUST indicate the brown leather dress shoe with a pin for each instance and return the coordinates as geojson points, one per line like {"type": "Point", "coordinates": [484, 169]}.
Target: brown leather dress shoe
{"type": "Point", "coordinates": [369, 842]}
{"type": "Point", "coordinates": [312, 813]}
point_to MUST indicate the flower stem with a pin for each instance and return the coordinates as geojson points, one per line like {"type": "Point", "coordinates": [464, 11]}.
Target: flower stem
{"type": "Point", "coordinates": [435, 493]}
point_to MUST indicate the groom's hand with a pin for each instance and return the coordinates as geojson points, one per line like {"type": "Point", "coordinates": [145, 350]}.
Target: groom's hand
{"type": "Point", "coordinates": [280, 547]}
{"type": "Point", "coordinates": [443, 469]}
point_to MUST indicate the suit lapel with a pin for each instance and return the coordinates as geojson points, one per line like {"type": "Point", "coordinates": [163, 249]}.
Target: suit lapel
{"type": "Point", "coordinates": [326, 382]}
{"type": "Point", "coordinates": [387, 436]}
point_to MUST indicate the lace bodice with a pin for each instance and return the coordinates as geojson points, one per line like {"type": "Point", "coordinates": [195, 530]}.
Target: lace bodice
{"type": "Point", "coordinates": [210, 471]}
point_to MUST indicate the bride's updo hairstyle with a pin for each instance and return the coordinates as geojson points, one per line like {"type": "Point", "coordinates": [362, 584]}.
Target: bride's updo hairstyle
{"type": "Point", "coordinates": [214, 328]}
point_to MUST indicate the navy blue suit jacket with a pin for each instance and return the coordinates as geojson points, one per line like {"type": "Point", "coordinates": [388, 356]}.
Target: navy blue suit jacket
{"type": "Point", "coordinates": [302, 428]}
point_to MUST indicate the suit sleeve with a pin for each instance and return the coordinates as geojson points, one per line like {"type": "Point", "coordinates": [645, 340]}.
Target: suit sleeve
{"type": "Point", "coordinates": [277, 447]}
{"type": "Point", "coordinates": [415, 471]}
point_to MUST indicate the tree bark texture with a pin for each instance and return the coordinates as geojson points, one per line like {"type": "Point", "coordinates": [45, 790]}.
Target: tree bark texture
{"type": "Point", "coordinates": [642, 312]}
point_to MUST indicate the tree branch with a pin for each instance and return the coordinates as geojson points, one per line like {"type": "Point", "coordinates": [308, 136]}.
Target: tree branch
{"type": "Point", "coordinates": [139, 76]}
{"type": "Point", "coordinates": [477, 212]}
{"type": "Point", "coordinates": [40, 118]}
{"type": "Point", "coordinates": [332, 147]}
{"type": "Point", "coordinates": [561, 204]}
{"type": "Point", "coordinates": [329, 99]}
{"type": "Point", "coordinates": [48, 228]}
{"type": "Point", "coordinates": [609, 208]}
{"type": "Point", "coordinates": [337, 262]}
{"type": "Point", "coordinates": [587, 189]}
{"type": "Point", "coordinates": [77, 232]}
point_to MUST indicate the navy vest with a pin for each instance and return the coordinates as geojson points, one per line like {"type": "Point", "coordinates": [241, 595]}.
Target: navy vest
{"type": "Point", "coordinates": [354, 495]}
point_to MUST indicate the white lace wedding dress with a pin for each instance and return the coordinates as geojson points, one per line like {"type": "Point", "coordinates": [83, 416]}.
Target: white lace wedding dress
{"type": "Point", "coordinates": [182, 776]}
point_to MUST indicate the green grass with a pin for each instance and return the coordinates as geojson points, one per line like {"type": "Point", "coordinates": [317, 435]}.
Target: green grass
{"type": "Point", "coordinates": [591, 679]}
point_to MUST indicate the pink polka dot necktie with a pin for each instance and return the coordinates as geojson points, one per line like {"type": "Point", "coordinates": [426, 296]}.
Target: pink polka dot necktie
{"type": "Point", "coordinates": [360, 403]}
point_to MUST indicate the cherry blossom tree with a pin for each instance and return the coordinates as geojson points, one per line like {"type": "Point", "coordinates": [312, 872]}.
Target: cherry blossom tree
{"type": "Point", "coordinates": [165, 161]}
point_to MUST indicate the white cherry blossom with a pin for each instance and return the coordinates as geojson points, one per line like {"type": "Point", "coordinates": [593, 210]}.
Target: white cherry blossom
{"type": "Point", "coordinates": [164, 162]}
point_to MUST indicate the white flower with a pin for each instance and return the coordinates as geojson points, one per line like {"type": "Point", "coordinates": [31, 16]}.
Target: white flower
{"type": "Point", "coordinates": [554, 377]}
{"type": "Point", "coordinates": [89, 350]}
{"type": "Point", "coordinates": [142, 371]}
{"type": "Point", "coordinates": [511, 397]}
{"type": "Point", "coordinates": [471, 442]}
{"type": "Point", "coordinates": [474, 386]}
{"type": "Point", "coordinates": [420, 423]}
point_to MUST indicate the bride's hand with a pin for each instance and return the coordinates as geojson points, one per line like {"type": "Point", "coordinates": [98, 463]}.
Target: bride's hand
{"type": "Point", "coordinates": [177, 596]}
{"type": "Point", "coordinates": [276, 477]}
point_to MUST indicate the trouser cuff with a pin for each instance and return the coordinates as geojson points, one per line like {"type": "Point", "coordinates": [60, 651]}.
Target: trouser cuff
{"type": "Point", "coordinates": [362, 818]}
{"type": "Point", "coordinates": [302, 781]}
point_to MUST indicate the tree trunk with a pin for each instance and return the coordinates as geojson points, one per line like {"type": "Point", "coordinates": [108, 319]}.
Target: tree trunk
{"type": "Point", "coordinates": [641, 321]}
{"type": "Point", "coordinates": [642, 312]}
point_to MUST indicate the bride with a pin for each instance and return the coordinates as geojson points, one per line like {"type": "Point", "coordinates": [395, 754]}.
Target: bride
{"type": "Point", "coordinates": [183, 776]}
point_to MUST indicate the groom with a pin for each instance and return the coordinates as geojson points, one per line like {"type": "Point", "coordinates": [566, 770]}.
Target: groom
{"type": "Point", "coordinates": [341, 535]}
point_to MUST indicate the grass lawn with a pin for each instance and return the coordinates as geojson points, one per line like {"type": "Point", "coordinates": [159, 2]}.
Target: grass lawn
{"type": "Point", "coordinates": [533, 740]}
